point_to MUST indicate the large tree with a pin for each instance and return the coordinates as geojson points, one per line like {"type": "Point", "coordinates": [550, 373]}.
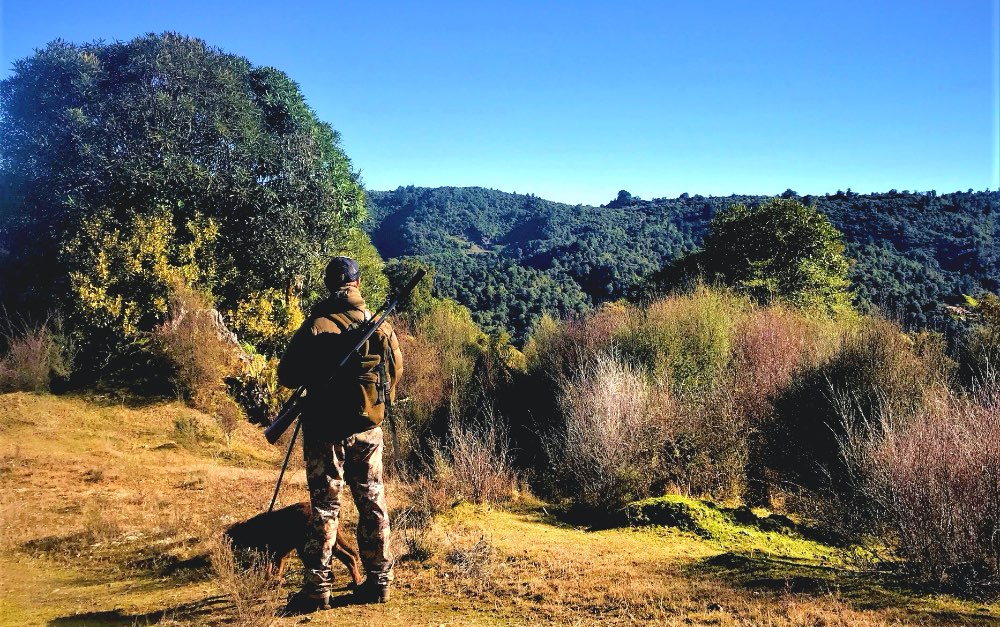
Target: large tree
{"type": "Point", "coordinates": [128, 167]}
{"type": "Point", "coordinates": [780, 249]}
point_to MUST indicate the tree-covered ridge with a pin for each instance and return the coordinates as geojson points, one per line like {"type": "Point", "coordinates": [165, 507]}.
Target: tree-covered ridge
{"type": "Point", "coordinates": [913, 252]}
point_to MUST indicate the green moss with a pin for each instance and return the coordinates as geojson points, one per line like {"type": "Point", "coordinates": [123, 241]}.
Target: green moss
{"type": "Point", "coordinates": [740, 529]}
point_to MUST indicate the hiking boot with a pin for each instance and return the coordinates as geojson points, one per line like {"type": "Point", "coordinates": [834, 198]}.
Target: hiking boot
{"type": "Point", "coordinates": [304, 603]}
{"type": "Point", "coordinates": [372, 592]}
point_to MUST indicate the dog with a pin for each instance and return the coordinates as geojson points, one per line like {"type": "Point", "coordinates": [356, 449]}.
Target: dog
{"type": "Point", "coordinates": [276, 534]}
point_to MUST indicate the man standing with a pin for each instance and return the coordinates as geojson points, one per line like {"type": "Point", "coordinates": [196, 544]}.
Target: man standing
{"type": "Point", "coordinates": [342, 439]}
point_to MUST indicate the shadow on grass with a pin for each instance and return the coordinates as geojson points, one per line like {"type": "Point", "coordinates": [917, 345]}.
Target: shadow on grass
{"type": "Point", "coordinates": [143, 559]}
{"type": "Point", "coordinates": [865, 590]}
{"type": "Point", "coordinates": [185, 611]}
{"type": "Point", "coordinates": [195, 568]}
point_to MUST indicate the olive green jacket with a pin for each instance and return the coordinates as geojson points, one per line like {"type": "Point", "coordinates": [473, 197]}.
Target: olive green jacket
{"type": "Point", "coordinates": [349, 403]}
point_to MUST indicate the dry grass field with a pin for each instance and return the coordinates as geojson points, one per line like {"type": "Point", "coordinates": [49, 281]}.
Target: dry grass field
{"type": "Point", "coordinates": [112, 515]}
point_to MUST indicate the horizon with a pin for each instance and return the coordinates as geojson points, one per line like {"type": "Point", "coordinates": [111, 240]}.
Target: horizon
{"type": "Point", "coordinates": [651, 198]}
{"type": "Point", "coordinates": [574, 105]}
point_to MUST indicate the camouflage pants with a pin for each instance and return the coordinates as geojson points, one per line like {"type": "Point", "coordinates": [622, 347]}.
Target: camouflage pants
{"type": "Point", "coordinates": [357, 461]}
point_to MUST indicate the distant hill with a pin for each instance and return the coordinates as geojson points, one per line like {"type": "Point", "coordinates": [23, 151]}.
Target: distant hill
{"type": "Point", "coordinates": [511, 257]}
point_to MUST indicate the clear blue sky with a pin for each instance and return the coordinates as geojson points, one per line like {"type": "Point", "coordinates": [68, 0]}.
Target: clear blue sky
{"type": "Point", "coordinates": [575, 100]}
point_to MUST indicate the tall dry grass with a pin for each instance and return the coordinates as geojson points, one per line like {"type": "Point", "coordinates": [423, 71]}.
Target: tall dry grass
{"type": "Point", "coordinates": [33, 355]}
{"type": "Point", "coordinates": [255, 597]}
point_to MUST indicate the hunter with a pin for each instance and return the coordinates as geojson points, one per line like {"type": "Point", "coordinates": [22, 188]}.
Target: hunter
{"type": "Point", "coordinates": [342, 439]}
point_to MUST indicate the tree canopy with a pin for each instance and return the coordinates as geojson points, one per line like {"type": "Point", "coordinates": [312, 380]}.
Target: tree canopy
{"type": "Point", "coordinates": [128, 166]}
{"type": "Point", "coordinates": [780, 249]}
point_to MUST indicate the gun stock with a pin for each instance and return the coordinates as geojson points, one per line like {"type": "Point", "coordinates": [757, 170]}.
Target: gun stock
{"type": "Point", "coordinates": [289, 411]}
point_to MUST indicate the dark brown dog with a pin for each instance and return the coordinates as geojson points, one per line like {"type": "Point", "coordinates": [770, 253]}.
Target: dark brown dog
{"type": "Point", "coordinates": [276, 534]}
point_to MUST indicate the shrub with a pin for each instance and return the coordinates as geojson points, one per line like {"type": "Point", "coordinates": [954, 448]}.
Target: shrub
{"type": "Point", "coordinates": [606, 451]}
{"type": "Point", "coordinates": [203, 354]}
{"type": "Point", "coordinates": [558, 351]}
{"type": "Point", "coordinates": [473, 462]}
{"type": "Point", "coordinates": [449, 326]}
{"type": "Point", "coordinates": [712, 364]}
{"type": "Point", "coordinates": [685, 338]}
{"type": "Point", "coordinates": [34, 356]}
{"type": "Point", "coordinates": [255, 388]}
{"type": "Point", "coordinates": [480, 459]}
{"type": "Point", "coordinates": [875, 376]}
{"type": "Point", "coordinates": [706, 448]}
{"type": "Point", "coordinates": [441, 348]}
{"type": "Point", "coordinates": [424, 385]}
{"type": "Point", "coordinates": [980, 344]}
{"type": "Point", "coordinates": [935, 483]}
{"type": "Point", "coordinates": [771, 347]}
{"type": "Point", "coordinates": [244, 579]}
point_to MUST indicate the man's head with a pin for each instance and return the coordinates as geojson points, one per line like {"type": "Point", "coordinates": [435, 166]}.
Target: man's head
{"type": "Point", "coordinates": [341, 271]}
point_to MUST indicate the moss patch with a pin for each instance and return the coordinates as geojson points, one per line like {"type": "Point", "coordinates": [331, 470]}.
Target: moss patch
{"type": "Point", "coordinates": [738, 529]}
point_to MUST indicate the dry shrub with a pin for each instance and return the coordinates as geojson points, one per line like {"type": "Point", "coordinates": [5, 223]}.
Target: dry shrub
{"type": "Point", "coordinates": [480, 458]}
{"type": "Point", "coordinates": [556, 352]}
{"type": "Point", "coordinates": [203, 354]}
{"type": "Point", "coordinates": [711, 364]}
{"type": "Point", "coordinates": [559, 350]}
{"type": "Point", "coordinates": [605, 452]}
{"type": "Point", "coordinates": [255, 597]}
{"type": "Point", "coordinates": [440, 349]}
{"type": "Point", "coordinates": [875, 375]}
{"type": "Point", "coordinates": [472, 463]}
{"type": "Point", "coordinates": [936, 482]}
{"type": "Point", "coordinates": [423, 386]}
{"type": "Point", "coordinates": [435, 490]}
{"type": "Point", "coordinates": [770, 346]}
{"type": "Point", "coordinates": [34, 355]}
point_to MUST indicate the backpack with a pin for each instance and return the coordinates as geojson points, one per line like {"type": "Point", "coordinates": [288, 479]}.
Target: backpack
{"type": "Point", "coordinates": [360, 393]}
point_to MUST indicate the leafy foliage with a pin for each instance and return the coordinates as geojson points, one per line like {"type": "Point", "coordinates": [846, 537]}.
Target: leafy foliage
{"type": "Point", "coordinates": [131, 165]}
{"type": "Point", "coordinates": [780, 249]}
{"type": "Point", "coordinates": [979, 354]}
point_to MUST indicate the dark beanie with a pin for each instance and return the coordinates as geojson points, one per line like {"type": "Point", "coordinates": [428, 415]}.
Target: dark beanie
{"type": "Point", "coordinates": [341, 271]}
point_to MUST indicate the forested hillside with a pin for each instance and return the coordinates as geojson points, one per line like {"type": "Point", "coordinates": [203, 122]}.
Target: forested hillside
{"type": "Point", "coordinates": [511, 257]}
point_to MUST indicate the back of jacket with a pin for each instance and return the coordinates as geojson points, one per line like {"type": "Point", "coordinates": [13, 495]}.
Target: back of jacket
{"type": "Point", "coordinates": [352, 402]}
